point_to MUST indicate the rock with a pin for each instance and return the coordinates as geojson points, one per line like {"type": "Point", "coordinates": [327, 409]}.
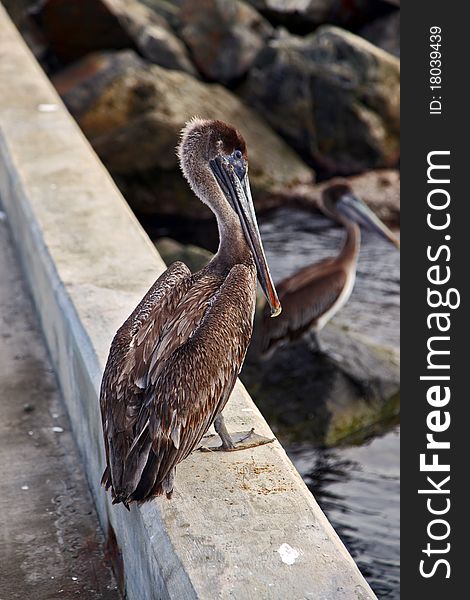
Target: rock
{"type": "Point", "coordinates": [193, 256]}
{"type": "Point", "coordinates": [384, 33]}
{"type": "Point", "coordinates": [81, 83]}
{"type": "Point", "coordinates": [162, 192]}
{"type": "Point", "coordinates": [224, 37]}
{"type": "Point", "coordinates": [159, 45]}
{"type": "Point", "coordinates": [33, 37]}
{"type": "Point", "coordinates": [333, 96]}
{"type": "Point", "coordinates": [305, 15]}
{"type": "Point", "coordinates": [74, 29]}
{"type": "Point", "coordinates": [133, 113]}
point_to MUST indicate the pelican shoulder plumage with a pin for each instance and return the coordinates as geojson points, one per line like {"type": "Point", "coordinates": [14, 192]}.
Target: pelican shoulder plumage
{"type": "Point", "coordinates": [174, 362]}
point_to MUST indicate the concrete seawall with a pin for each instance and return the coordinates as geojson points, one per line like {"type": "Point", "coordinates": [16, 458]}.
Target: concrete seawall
{"type": "Point", "coordinates": [240, 525]}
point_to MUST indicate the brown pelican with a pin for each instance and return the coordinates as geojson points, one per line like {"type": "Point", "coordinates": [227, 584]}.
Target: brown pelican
{"type": "Point", "coordinates": [174, 362]}
{"type": "Point", "coordinates": [314, 294]}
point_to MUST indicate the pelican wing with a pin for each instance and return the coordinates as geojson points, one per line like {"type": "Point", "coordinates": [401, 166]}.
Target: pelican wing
{"type": "Point", "coordinates": [122, 392]}
{"type": "Point", "coordinates": [188, 377]}
{"type": "Point", "coordinates": [305, 276]}
{"type": "Point", "coordinates": [305, 297]}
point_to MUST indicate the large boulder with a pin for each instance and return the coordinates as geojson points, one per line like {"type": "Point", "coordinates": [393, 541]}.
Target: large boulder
{"type": "Point", "coordinates": [82, 82]}
{"type": "Point", "coordinates": [133, 113]}
{"type": "Point", "coordinates": [159, 45]}
{"type": "Point", "coordinates": [333, 96]}
{"type": "Point", "coordinates": [224, 36]}
{"type": "Point", "coordinates": [74, 29]}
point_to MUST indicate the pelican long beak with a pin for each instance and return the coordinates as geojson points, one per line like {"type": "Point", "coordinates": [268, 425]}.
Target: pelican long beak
{"type": "Point", "coordinates": [235, 184]}
{"type": "Point", "coordinates": [354, 208]}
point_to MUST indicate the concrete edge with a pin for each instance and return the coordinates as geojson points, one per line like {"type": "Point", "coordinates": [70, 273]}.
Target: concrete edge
{"type": "Point", "coordinates": [168, 549]}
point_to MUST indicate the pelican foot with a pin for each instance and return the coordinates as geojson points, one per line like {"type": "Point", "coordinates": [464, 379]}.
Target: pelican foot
{"type": "Point", "coordinates": [240, 440]}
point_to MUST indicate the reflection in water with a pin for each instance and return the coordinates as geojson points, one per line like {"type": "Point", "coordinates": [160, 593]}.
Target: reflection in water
{"type": "Point", "coordinates": [358, 488]}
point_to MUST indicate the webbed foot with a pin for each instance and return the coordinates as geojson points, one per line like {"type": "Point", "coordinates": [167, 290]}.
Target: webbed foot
{"type": "Point", "coordinates": [240, 440]}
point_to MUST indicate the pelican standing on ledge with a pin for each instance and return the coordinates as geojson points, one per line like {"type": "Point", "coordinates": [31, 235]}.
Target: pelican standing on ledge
{"type": "Point", "coordinates": [174, 362]}
{"type": "Point", "coordinates": [314, 294]}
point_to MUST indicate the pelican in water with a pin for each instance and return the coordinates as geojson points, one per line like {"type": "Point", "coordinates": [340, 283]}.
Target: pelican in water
{"type": "Point", "coordinates": [174, 362]}
{"type": "Point", "coordinates": [314, 294]}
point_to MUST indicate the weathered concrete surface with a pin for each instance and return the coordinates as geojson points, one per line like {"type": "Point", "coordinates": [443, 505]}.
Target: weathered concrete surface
{"type": "Point", "coordinates": [88, 263]}
{"type": "Point", "coordinates": [51, 545]}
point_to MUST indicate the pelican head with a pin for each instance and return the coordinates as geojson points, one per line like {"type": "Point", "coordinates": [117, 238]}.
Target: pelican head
{"type": "Point", "coordinates": [339, 202]}
{"type": "Point", "coordinates": [214, 160]}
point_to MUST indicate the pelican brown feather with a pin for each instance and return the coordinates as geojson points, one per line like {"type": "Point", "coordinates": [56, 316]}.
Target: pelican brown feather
{"type": "Point", "coordinates": [174, 362]}
{"type": "Point", "coordinates": [164, 421]}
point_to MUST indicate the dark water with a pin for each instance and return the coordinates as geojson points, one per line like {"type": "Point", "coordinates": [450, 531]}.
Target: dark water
{"type": "Point", "coordinates": [357, 486]}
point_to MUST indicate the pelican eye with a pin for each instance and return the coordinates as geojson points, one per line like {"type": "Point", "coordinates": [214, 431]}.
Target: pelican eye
{"type": "Point", "coordinates": [238, 163]}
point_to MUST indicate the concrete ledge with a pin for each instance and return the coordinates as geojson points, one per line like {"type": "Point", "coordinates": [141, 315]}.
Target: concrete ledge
{"type": "Point", "coordinates": [88, 263]}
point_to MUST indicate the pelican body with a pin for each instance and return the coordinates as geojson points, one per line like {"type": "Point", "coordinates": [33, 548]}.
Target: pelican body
{"type": "Point", "coordinates": [315, 293]}
{"type": "Point", "coordinates": [174, 362]}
